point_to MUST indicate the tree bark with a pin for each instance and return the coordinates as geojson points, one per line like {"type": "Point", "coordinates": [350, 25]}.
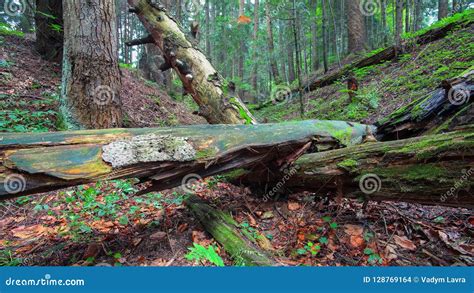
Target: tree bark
{"type": "Point", "coordinates": [355, 26]}
{"type": "Point", "coordinates": [207, 87]}
{"type": "Point", "coordinates": [325, 36]}
{"type": "Point", "coordinates": [239, 244]}
{"type": "Point", "coordinates": [431, 170]}
{"type": "Point", "coordinates": [443, 9]}
{"type": "Point", "coordinates": [270, 42]}
{"type": "Point", "coordinates": [255, 47]}
{"type": "Point", "coordinates": [398, 23]}
{"type": "Point", "coordinates": [50, 161]}
{"type": "Point", "coordinates": [91, 75]}
{"type": "Point", "coordinates": [315, 37]}
{"type": "Point", "coordinates": [49, 29]}
{"type": "Point", "coordinates": [445, 109]}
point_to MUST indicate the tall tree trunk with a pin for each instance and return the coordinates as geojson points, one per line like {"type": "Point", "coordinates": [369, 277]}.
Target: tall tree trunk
{"type": "Point", "coordinates": [291, 55]}
{"type": "Point", "coordinates": [91, 76]}
{"type": "Point", "coordinates": [355, 26]}
{"type": "Point", "coordinates": [314, 33]}
{"type": "Point", "coordinates": [242, 46]}
{"type": "Point", "coordinates": [407, 15]}
{"type": "Point", "coordinates": [255, 47]}
{"type": "Point", "coordinates": [208, 30]}
{"type": "Point", "coordinates": [271, 48]}
{"type": "Point", "coordinates": [443, 9]}
{"type": "Point", "coordinates": [49, 33]}
{"type": "Point", "coordinates": [398, 22]}
{"type": "Point", "coordinates": [384, 22]}
{"type": "Point", "coordinates": [418, 14]}
{"type": "Point", "coordinates": [298, 63]}
{"type": "Point", "coordinates": [325, 36]}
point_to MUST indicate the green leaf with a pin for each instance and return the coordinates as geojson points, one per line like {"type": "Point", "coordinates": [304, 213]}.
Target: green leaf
{"type": "Point", "coordinates": [368, 251]}
{"type": "Point", "coordinates": [333, 225]}
{"type": "Point", "coordinates": [326, 219]}
{"type": "Point", "coordinates": [323, 240]}
{"type": "Point", "coordinates": [301, 251]}
{"type": "Point", "coordinates": [123, 220]}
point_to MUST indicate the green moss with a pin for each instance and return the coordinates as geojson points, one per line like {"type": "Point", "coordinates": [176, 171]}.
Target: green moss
{"type": "Point", "coordinates": [234, 174]}
{"type": "Point", "coordinates": [206, 153]}
{"type": "Point", "coordinates": [413, 172]}
{"type": "Point", "coordinates": [348, 165]}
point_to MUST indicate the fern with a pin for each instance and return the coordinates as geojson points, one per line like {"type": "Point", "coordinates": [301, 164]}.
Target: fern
{"type": "Point", "coordinates": [199, 253]}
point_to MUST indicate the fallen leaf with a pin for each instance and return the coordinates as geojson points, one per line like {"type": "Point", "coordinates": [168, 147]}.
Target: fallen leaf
{"type": "Point", "coordinates": [158, 235]}
{"type": "Point", "coordinates": [243, 19]}
{"type": "Point", "coordinates": [404, 242]}
{"type": "Point", "coordinates": [92, 251]}
{"type": "Point", "coordinates": [353, 230]}
{"type": "Point", "coordinates": [390, 252]}
{"type": "Point", "coordinates": [183, 227]}
{"type": "Point", "coordinates": [293, 206]}
{"type": "Point", "coordinates": [31, 231]}
{"type": "Point", "coordinates": [252, 220]}
{"type": "Point", "coordinates": [267, 215]}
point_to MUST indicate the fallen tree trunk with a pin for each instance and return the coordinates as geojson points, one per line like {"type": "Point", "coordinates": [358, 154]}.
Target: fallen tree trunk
{"type": "Point", "coordinates": [388, 53]}
{"type": "Point", "coordinates": [207, 87]}
{"type": "Point", "coordinates": [431, 170]}
{"type": "Point", "coordinates": [239, 244]}
{"type": "Point", "coordinates": [446, 109]}
{"type": "Point", "coordinates": [38, 162]}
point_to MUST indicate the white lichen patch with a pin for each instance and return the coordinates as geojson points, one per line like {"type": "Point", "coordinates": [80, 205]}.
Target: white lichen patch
{"type": "Point", "coordinates": [148, 148]}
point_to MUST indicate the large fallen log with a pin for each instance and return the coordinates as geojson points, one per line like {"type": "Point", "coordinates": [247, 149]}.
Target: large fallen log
{"type": "Point", "coordinates": [431, 170]}
{"type": "Point", "coordinates": [38, 162]}
{"type": "Point", "coordinates": [446, 109]}
{"type": "Point", "coordinates": [389, 53]}
{"type": "Point", "coordinates": [207, 87]}
{"type": "Point", "coordinates": [239, 244]}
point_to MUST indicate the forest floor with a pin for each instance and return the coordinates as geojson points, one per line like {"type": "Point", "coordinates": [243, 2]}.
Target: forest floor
{"type": "Point", "coordinates": [104, 224]}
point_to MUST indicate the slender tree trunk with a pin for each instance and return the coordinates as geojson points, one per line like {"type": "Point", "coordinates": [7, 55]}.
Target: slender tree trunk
{"type": "Point", "coordinates": [255, 47]}
{"type": "Point", "coordinates": [208, 30]}
{"type": "Point", "coordinates": [297, 49]}
{"type": "Point", "coordinates": [384, 22]}
{"type": "Point", "coordinates": [418, 14]}
{"type": "Point", "coordinates": [49, 33]}
{"type": "Point", "coordinates": [325, 36]}
{"type": "Point", "coordinates": [291, 55]}
{"type": "Point", "coordinates": [407, 15]}
{"type": "Point", "coordinates": [314, 33]}
{"type": "Point", "coordinates": [443, 8]}
{"type": "Point", "coordinates": [398, 23]}
{"type": "Point", "coordinates": [271, 48]}
{"type": "Point", "coordinates": [355, 26]}
{"type": "Point", "coordinates": [91, 76]}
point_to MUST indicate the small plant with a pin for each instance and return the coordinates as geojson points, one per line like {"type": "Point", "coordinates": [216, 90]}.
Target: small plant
{"type": "Point", "coordinates": [7, 259]}
{"type": "Point", "coordinates": [374, 258]}
{"type": "Point", "coordinates": [310, 247]}
{"type": "Point", "coordinates": [200, 253]}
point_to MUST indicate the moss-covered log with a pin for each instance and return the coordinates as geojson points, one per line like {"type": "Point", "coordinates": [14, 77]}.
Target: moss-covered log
{"type": "Point", "coordinates": [237, 242]}
{"type": "Point", "coordinates": [207, 87]}
{"type": "Point", "coordinates": [431, 170]}
{"type": "Point", "coordinates": [445, 109]}
{"type": "Point", "coordinates": [390, 53]}
{"type": "Point", "coordinates": [36, 162]}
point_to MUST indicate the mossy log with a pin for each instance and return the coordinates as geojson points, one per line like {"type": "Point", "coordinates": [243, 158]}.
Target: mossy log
{"type": "Point", "coordinates": [389, 53]}
{"type": "Point", "coordinates": [431, 170]}
{"type": "Point", "coordinates": [445, 109]}
{"type": "Point", "coordinates": [238, 243]}
{"type": "Point", "coordinates": [37, 162]}
{"type": "Point", "coordinates": [207, 87]}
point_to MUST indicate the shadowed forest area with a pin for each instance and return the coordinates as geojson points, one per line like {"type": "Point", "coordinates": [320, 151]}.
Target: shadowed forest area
{"type": "Point", "coordinates": [236, 133]}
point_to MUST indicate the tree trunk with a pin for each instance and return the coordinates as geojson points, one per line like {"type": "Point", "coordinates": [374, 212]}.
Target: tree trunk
{"type": "Point", "coordinates": [355, 26]}
{"type": "Point", "coordinates": [49, 29]}
{"type": "Point", "coordinates": [443, 9]}
{"type": "Point", "coordinates": [270, 42]}
{"type": "Point", "coordinates": [239, 244]}
{"type": "Point", "coordinates": [91, 76]}
{"type": "Point", "coordinates": [385, 31]}
{"type": "Point", "coordinates": [207, 87]}
{"type": "Point", "coordinates": [325, 36]}
{"type": "Point", "coordinates": [255, 47]}
{"type": "Point", "coordinates": [315, 37]}
{"type": "Point", "coordinates": [443, 109]}
{"type": "Point", "coordinates": [418, 14]}
{"type": "Point", "coordinates": [431, 170]}
{"type": "Point", "coordinates": [398, 23]}
{"type": "Point", "coordinates": [50, 161]}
